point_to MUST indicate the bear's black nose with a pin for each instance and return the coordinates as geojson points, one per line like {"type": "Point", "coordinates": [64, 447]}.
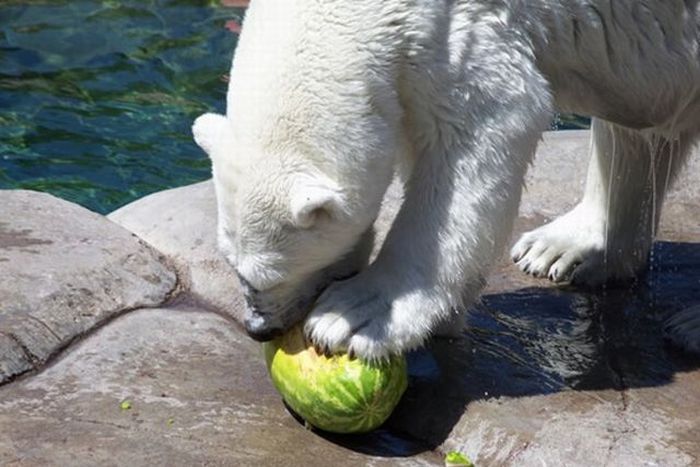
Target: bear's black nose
{"type": "Point", "coordinates": [260, 329]}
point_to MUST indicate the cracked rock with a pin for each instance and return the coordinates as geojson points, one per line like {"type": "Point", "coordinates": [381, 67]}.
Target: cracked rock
{"type": "Point", "coordinates": [63, 271]}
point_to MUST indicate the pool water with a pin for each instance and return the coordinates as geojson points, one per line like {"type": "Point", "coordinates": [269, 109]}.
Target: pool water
{"type": "Point", "coordinates": [97, 97]}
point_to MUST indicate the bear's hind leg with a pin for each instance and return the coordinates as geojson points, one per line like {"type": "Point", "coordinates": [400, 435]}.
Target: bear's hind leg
{"type": "Point", "coordinates": [608, 235]}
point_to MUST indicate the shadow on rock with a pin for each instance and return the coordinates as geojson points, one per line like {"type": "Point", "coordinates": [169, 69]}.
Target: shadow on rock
{"type": "Point", "coordinates": [539, 341]}
{"type": "Point", "coordinates": [382, 442]}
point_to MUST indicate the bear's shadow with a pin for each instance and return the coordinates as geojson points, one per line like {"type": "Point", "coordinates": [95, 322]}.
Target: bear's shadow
{"type": "Point", "coordinates": [539, 341]}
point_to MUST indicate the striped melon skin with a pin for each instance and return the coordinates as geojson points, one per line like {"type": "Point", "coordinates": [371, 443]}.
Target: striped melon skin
{"type": "Point", "coordinates": [335, 393]}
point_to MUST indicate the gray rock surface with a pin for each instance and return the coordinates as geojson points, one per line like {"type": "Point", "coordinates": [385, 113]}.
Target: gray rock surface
{"type": "Point", "coordinates": [181, 223]}
{"type": "Point", "coordinates": [542, 376]}
{"type": "Point", "coordinates": [63, 271]}
{"type": "Point", "coordinates": [198, 392]}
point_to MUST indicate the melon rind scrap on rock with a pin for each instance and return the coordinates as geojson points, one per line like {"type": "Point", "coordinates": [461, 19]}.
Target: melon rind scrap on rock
{"type": "Point", "coordinates": [335, 394]}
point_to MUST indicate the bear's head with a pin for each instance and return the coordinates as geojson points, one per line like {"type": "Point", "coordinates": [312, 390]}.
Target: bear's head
{"type": "Point", "coordinates": [287, 228]}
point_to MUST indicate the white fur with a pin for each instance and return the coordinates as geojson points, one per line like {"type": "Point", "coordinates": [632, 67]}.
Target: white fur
{"type": "Point", "coordinates": [454, 94]}
{"type": "Point", "coordinates": [608, 235]}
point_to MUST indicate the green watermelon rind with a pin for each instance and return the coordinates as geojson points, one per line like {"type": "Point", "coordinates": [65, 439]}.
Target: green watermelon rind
{"type": "Point", "coordinates": [339, 395]}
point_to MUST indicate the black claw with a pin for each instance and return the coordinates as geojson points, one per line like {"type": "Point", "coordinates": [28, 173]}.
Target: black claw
{"type": "Point", "coordinates": [351, 354]}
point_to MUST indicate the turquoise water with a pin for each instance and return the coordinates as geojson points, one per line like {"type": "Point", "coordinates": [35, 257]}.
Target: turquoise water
{"type": "Point", "coordinates": [97, 97]}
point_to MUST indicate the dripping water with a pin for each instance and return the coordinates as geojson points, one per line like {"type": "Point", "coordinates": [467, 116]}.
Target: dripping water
{"type": "Point", "coordinates": [611, 177]}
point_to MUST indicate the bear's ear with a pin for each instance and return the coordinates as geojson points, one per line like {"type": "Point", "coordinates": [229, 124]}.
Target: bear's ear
{"type": "Point", "coordinates": [312, 199]}
{"type": "Point", "coordinates": [212, 133]}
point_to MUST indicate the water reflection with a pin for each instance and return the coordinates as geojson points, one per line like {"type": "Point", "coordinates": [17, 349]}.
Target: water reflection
{"type": "Point", "coordinates": [543, 340]}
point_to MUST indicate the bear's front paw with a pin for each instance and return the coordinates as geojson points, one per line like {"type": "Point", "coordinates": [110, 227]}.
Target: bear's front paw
{"type": "Point", "coordinates": [359, 316]}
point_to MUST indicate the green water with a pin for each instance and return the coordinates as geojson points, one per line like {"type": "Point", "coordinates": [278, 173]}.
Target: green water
{"type": "Point", "coordinates": [97, 97]}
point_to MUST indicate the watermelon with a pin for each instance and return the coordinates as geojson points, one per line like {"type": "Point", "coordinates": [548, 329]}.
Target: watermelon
{"type": "Point", "coordinates": [336, 394]}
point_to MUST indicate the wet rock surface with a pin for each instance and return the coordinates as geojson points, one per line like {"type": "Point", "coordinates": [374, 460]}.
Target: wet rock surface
{"type": "Point", "coordinates": [559, 376]}
{"type": "Point", "coordinates": [63, 271]}
{"type": "Point", "coordinates": [543, 375]}
{"type": "Point", "coordinates": [565, 377]}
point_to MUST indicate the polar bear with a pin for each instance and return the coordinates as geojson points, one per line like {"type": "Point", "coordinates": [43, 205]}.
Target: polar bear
{"type": "Point", "coordinates": [328, 99]}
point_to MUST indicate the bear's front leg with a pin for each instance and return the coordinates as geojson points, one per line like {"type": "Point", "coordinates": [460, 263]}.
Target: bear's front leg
{"type": "Point", "coordinates": [381, 312]}
{"type": "Point", "coordinates": [461, 198]}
